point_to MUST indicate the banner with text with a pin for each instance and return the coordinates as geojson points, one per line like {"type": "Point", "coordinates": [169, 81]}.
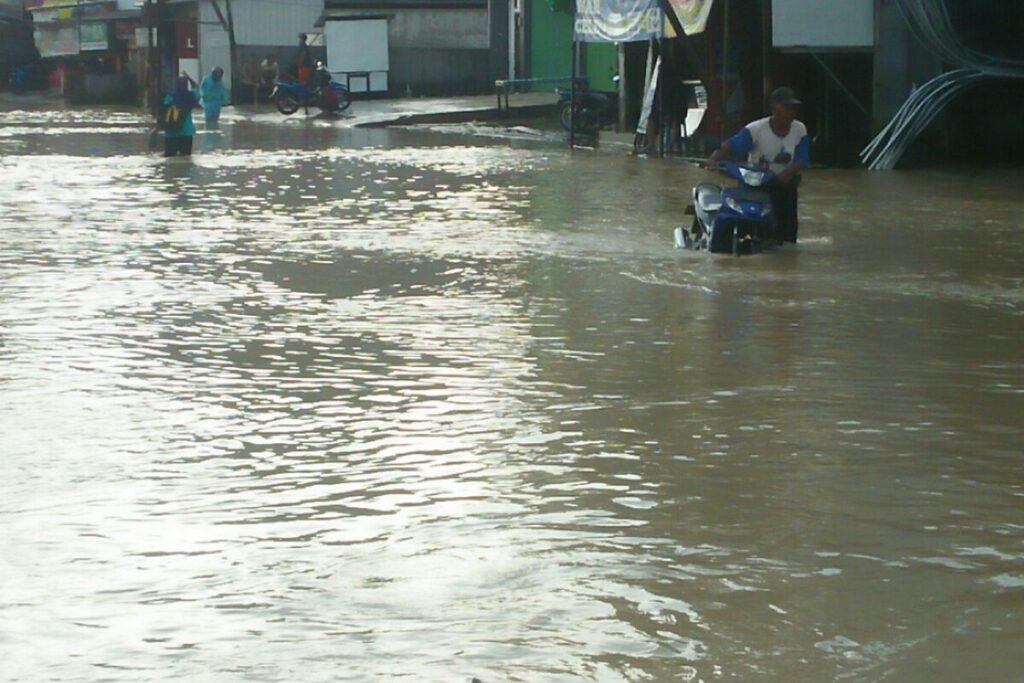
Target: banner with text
{"type": "Point", "coordinates": [693, 16]}
{"type": "Point", "coordinates": [617, 21]}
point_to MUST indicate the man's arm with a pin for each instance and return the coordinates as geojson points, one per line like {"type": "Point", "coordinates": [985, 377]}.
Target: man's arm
{"type": "Point", "coordinates": [738, 145]}
{"type": "Point", "coordinates": [725, 150]}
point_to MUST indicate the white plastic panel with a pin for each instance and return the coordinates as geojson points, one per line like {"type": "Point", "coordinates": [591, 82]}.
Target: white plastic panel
{"type": "Point", "coordinates": [821, 24]}
{"type": "Point", "coordinates": [379, 81]}
{"type": "Point", "coordinates": [190, 67]}
{"type": "Point", "coordinates": [358, 82]}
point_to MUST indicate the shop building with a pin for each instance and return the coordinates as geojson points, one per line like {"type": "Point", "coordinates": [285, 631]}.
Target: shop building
{"type": "Point", "coordinates": [853, 62]}
{"type": "Point", "coordinates": [17, 47]}
{"type": "Point", "coordinates": [89, 47]}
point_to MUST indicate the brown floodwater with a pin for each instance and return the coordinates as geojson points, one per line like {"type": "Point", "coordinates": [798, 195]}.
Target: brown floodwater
{"type": "Point", "coordinates": [327, 403]}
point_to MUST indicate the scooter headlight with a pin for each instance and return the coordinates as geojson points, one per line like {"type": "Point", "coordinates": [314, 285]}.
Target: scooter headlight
{"type": "Point", "coordinates": [733, 204]}
{"type": "Point", "coordinates": [752, 178]}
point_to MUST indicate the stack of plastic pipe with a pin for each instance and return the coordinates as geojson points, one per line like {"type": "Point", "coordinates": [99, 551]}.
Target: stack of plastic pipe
{"type": "Point", "coordinates": [929, 21]}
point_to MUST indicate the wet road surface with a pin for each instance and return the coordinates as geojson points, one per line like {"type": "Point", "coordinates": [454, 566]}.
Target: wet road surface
{"type": "Point", "coordinates": [330, 404]}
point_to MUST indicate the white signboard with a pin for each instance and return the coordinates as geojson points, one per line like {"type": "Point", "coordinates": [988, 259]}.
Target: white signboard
{"type": "Point", "coordinates": [357, 53]}
{"type": "Point", "coordinates": [93, 36]}
{"type": "Point", "coordinates": [358, 45]}
{"type": "Point", "coordinates": [815, 24]}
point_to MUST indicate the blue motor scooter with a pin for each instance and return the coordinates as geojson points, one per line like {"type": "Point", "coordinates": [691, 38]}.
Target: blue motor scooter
{"type": "Point", "coordinates": [736, 220]}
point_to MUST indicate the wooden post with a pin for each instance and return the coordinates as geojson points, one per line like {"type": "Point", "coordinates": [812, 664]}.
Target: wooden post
{"type": "Point", "coordinates": [151, 90]}
{"type": "Point", "coordinates": [726, 124]}
{"type": "Point", "coordinates": [159, 56]}
{"type": "Point", "coordinates": [661, 98]}
{"type": "Point", "coordinates": [572, 90]}
{"type": "Point", "coordinates": [766, 42]}
{"type": "Point", "coordinates": [232, 45]}
{"type": "Point", "coordinates": [623, 100]}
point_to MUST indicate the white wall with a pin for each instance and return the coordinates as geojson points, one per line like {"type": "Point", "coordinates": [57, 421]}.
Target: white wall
{"type": "Point", "coordinates": [274, 22]}
{"type": "Point", "coordinates": [823, 23]}
{"type": "Point", "coordinates": [214, 48]}
{"type": "Point", "coordinates": [451, 29]}
{"type": "Point", "coordinates": [257, 22]}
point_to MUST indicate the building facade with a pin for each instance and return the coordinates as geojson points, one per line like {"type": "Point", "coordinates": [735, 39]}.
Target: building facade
{"type": "Point", "coordinates": [439, 47]}
{"type": "Point", "coordinates": [89, 46]}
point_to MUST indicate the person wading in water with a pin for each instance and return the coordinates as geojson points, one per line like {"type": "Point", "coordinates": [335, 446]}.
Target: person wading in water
{"type": "Point", "coordinates": [177, 118]}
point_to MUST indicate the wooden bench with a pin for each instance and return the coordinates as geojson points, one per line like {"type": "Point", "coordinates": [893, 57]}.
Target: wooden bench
{"type": "Point", "coordinates": [507, 85]}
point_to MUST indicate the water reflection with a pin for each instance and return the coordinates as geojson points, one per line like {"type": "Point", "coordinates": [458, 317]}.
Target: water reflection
{"type": "Point", "coordinates": [344, 404]}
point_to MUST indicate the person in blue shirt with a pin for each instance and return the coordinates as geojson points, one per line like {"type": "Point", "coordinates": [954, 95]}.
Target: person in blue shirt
{"type": "Point", "coordinates": [178, 140]}
{"type": "Point", "coordinates": [213, 94]}
{"type": "Point", "coordinates": [777, 142]}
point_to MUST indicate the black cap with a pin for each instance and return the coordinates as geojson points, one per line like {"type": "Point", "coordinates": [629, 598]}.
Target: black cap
{"type": "Point", "coordinates": [783, 96]}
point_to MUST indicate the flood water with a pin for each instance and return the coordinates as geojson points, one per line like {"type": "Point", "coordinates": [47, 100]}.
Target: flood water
{"type": "Point", "coordinates": [340, 404]}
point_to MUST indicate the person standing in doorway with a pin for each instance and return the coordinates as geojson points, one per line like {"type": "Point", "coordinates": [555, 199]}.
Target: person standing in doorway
{"type": "Point", "coordinates": [270, 71]}
{"type": "Point", "coordinates": [177, 118]}
{"type": "Point", "coordinates": [777, 142]}
{"type": "Point", "coordinates": [213, 95]}
{"type": "Point", "coordinates": [303, 60]}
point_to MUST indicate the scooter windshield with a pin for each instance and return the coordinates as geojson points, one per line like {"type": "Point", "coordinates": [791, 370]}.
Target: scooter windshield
{"type": "Point", "coordinates": [748, 175]}
{"type": "Point", "coordinates": [751, 177]}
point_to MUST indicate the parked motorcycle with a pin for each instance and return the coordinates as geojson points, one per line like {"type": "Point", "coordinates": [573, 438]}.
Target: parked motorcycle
{"type": "Point", "coordinates": [329, 96]}
{"type": "Point", "coordinates": [736, 220]}
{"type": "Point", "coordinates": [595, 109]}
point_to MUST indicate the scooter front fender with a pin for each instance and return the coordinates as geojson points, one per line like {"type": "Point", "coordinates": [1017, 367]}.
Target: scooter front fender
{"type": "Point", "coordinates": [707, 200]}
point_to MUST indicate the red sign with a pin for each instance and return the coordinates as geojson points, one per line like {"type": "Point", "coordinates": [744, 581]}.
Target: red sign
{"type": "Point", "coordinates": [186, 35]}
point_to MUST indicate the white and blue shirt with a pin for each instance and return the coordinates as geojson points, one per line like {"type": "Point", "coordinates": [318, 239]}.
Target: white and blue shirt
{"type": "Point", "coordinates": [762, 146]}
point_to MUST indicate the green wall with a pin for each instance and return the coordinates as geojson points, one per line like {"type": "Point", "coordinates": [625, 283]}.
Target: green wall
{"type": "Point", "coordinates": [549, 33]}
{"type": "Point", "coordinates": [602, 61]}
{"type": "Point", "coordinates": [549, 26]}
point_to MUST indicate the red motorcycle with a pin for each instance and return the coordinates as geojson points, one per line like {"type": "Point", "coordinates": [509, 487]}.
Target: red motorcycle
{"type": "Point", "coordinates": [329, 96]}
